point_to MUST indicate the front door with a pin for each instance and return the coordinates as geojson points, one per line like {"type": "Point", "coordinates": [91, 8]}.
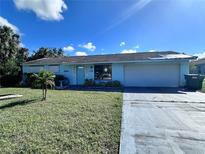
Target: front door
{"type": "Point", "coordinates": [80, 75]}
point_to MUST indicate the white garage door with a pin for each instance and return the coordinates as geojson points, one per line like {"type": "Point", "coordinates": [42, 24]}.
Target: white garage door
{"type": "Point", "coordinates": [151, 75]}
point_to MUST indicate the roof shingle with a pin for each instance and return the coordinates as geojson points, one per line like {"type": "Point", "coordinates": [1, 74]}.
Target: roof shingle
{"type": "Point", "coordinates": [109, 58]}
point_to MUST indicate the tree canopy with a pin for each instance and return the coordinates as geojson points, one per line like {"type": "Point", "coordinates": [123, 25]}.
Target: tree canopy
{"type": "Point", "coordinates": [45, 79]}
{"type": "Point", "coordinates": [46, 52]}
{"type": "Point", "coordinates": [12, 55]}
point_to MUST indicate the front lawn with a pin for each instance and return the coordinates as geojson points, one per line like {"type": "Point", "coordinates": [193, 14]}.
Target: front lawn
{"type": "Point", "coordinates": [69, 122]}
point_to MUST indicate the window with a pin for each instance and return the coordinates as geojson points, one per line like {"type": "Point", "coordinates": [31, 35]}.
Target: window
{"type": "Point", "coordinates": [103, 72]}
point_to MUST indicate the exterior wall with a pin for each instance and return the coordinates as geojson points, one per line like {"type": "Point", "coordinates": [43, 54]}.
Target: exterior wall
{"type": "Point", "coordinates": [34, 69]}
{"type": "Point", "coordinates": [89, 72]}
{"type": "Point", "coordinates": [118, 72]}
{"type": "Point", "coordinates": [201, 69]}
{"type": "Point", "coordinates": [37, 68]}
{"type": "Point", "coordinates": [61, 67]}
{"type": "Point", "coordinates": [69, 71]}
{"type": "Point", "coordinates": [53, 68]}
{"type": "Point", "coordinates": [184, 69]}
{"type": "Point", "coordinates": [25, 69]}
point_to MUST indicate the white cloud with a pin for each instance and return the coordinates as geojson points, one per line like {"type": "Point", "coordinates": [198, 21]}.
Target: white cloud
{"type": "Point", "coordinates": [89, 46]}
{"type": "Point", "coordinates": [200, 55]}
{"type": "Point", "coordinates": [4, 22]}
{"type": "Point", "coordinates": [44, 9]}
{"type": "Point", "coordinates": [129, 51]}
{"type": "Point", "coordinates": [80, 53]}
{"type": "Point", "coordinates": [68, 48]}
{"type": "Point", "coordinates": [122, 44]}
{"type": "Point", "coordinates": [152, 50]}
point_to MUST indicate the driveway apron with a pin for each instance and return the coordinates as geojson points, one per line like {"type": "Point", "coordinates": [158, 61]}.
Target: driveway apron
{"type": "Point", "coordinates": [163, 122]}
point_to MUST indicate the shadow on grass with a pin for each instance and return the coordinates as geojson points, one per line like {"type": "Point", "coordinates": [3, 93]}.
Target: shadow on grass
{"type": "Point", "coordinates": [101, 89]}
{"type": "Point", "coordinates": [20, 102]}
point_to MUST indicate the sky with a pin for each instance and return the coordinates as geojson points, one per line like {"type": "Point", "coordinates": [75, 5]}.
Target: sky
{"type": "Point", "coordinates": [90, 27]}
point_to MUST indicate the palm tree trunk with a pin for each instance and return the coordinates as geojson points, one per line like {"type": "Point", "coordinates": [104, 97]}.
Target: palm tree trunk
{"type": "Point", "coordinates": [45, 92]}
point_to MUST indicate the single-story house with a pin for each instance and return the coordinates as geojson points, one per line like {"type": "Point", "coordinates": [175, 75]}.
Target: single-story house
{"type": "Point", "coordinates": [143, 69]}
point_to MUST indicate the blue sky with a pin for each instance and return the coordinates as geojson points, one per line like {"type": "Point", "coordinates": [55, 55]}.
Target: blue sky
{"type": "Point", "coordinates": [108, 26]}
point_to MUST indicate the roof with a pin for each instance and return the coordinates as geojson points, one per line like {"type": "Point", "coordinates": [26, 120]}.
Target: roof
{"type": "Point", "coordinates": [109, 58]}
{"type": "Point", "coordinates": [198, 61]}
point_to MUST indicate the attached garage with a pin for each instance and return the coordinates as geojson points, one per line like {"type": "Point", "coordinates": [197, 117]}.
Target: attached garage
{"type": "Point", "coordinates": [152, 75]}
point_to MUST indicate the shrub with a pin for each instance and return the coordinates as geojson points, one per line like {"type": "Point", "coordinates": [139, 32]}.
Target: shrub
{"type": "Point", "coordinates": [102, 84]}
{"type": "Point", "coordinates": [116, 83]}
{"type": "Point", "coordinates": [29, 81]}
{"type": "Point", "coordinates": [89, 82]}
{"type": "Point", "coordinates": [108, 84]}
{"type": "Point", "coordinates": [10, 80]}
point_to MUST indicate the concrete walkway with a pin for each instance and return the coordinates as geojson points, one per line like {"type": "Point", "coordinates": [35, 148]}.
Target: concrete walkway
{"type": "Point", "coordinates": [171, 122]}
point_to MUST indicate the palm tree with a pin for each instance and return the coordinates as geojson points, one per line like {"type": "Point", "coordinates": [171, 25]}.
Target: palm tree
{"type": "Point", "coordinates": [45, 79]}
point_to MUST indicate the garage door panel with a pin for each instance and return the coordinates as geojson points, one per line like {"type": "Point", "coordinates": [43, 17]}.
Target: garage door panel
{"type": "Point", "coordinates": [149, 75]}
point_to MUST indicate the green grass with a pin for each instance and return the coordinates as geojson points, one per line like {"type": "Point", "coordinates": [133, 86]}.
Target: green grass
{"type": "Point", "coordinates": [69, 122]}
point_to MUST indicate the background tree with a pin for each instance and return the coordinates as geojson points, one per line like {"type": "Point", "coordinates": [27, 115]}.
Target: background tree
{"type": "Point", "coordinates": [46, 52]}
{"type": "Point", "coordinates": [45, 79]}
{"type": "Point", "coordinates": [22, 56]}
{"type": "Point", "coordinates": [12, 55]}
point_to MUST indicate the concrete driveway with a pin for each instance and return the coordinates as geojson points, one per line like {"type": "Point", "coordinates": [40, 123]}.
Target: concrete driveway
{"type": "Point", "coordinates": [163, 121]}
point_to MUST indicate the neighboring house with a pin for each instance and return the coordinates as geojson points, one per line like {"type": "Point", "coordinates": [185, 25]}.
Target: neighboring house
{"type": "Point", "coordinates": [198, 66]}
{"type": "Point", "coordinates": [143, 69]}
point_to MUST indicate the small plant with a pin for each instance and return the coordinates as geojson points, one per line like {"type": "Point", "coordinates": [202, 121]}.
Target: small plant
{"type": "Point", "coordinates": [116, 83]}
{"type": "Point", "coordinates": [89, 82]}
{"type": "Point", "coordinates": [109, 84]}
{"type": "Point", "coordinates": [101, 84]}
{"type": "Point", "coordinates": [113, 83]}
{"type": "Point", "coordinates": [45, 79]}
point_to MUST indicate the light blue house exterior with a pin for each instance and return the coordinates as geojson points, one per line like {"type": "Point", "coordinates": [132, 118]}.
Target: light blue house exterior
{"type": "Point", "coordinates": [156, 71]}
{"type": "Point", "coordinates": [199, 66]}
